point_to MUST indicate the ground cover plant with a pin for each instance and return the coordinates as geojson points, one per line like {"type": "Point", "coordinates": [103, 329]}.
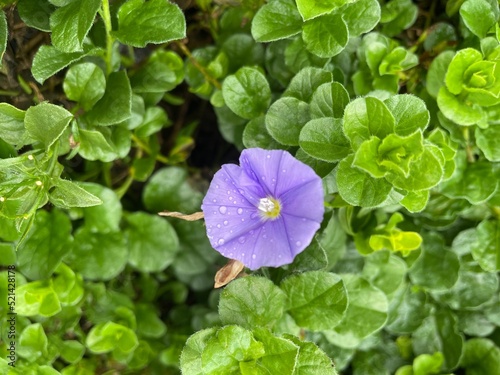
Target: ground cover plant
{"type": "Point", "coordinates": [342, 155]}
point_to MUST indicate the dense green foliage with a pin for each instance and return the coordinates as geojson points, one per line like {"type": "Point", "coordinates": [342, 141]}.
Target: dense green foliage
{"type": "Point", "coordinates": [396, 106]}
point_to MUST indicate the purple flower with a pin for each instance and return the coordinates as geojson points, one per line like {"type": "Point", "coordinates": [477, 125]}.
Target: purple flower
{"type": "Point", "coordinates": [264, 212]}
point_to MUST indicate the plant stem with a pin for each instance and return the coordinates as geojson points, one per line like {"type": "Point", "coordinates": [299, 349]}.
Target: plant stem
{"type": "Point", "coordinates": [143, 146]}
{"type": "Point", "coordinates": [106, 16]}
{"type": "Point", "coordinates": [198, 66]}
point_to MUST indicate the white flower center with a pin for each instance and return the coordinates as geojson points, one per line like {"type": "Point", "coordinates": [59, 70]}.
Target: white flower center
{"type": "Point", "coordinates": [266, 205]}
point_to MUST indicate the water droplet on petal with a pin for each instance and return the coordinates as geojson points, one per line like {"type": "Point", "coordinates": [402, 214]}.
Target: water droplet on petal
{"type": "Point", "coordinates": [242, 239]}
{"type": "Point", "coordinates": [242, 219]}
{"type": "Point", "coordinates": [298, 243]}
{"type": "Point", "coordinates": [230, 198]}
{"type": "Point", "coordinates": [264, 236]}
{"type": "Point", "coordinates": [239, 211]}
{"type": "Point", "coordinates": [241, 191]}
{"type": "Point", "coordinates": [221, 241]}
{"type": "Point", "coordinates": [222, 209]}
{"type": "Point", "coordinates": [216, 186]}
{"type": "Point", "coordinates": [251, 233]}
{"type": "Point", "coordinates": [225, 222]}
{"type": "Point", "coordinates": [254, 215]}
{"type": "Point", "coordinates": [284, 171]}
{"type": "Point", "coordinates": [263, 178]}
{"type": "Point", "coordinates": [229, 191]}
{"type": "Point", "coordinates": [254, 256]}
{"type": "Point", "coordinates": [218, 225]}
{"type": "Point", "coordinates": [242, 254]}
{"type": "Point", "coordinates": [214, 200]}
{"type": "Point", "coordinates": [268, 156]}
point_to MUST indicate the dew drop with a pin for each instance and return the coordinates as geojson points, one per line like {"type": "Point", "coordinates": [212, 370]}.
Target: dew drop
{"type": "Point", "coordinates": [225, 222]}
{"type": "Point", "coordinates": [214, 200]}
{"type": "Point", "coordinates": [242, 239]}
{"type": "Point", "coordinates": [263, 178]}
{"type": "Point", "coordinates": [264, 236]}
{"type": "Point", "coordinates": [230, 255]}
{"type": "Point", "coordinates": [254, 215]}
{"type": "Point", "coordinates": [241, 191]}
{"type": "Point", "coordinates": [242, 254]}
{"type": "Point", "coordinates": [254, 256]}
{"type": "Point", "coordinates": [298, 243]}
{"type": "Point", "coordinates": [221, 241]}
{"type": "Point", "coordinates": [216, 186]}
{"type": "Point", "coordinates": [242, 219]}
{"type": "Point", "coordinates": [222, 209]}
{"type": "Point", "coordinates": [251, 233]}
{"type": "Point", "coordinates": [218, 225]}
{"type": "Point", "coordinates": [230, 198]}
{"type": "Point", "coordinates": [279, 256]}
{"type": "Point", "coordinates": [215, 212]}
{"type": "Point", "coordinates": [229, 191]}
{"type": "Point", "coordinates": [283, 170]}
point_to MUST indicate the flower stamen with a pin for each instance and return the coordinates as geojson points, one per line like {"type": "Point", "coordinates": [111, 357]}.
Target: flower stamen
{"type": "Point", "coordinates": [270, 208]}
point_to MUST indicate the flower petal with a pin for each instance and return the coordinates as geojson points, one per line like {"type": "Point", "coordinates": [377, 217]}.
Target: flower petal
{"type": "Point", "coordinates": [304, 201]}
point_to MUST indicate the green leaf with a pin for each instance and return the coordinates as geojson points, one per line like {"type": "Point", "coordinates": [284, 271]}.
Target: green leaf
{"type": "Point", "coordinates": [67, 194]}
{"type": "Point", "coordinates": [168, 190]}
{"type": "Point", "coordinates": [68, 285]}
{"type": "Point", "coordinates": [455, 78]}
{"type": "Point", "coordinates": [285, 119]}
{"type": "Point", "coordinates": [280, 356]}
{"type": "Point", "coordinates": [481, 356]}
{"type": "Point", "coordinates": [329, 100]}
{"type": "Point", "coordinates": [437, 72]}
{"type": "Point", "coordinates": [154, 21]}
{"type": "Point", "coordinates": [457, 110]}
{"type": "Point", "coordinates": [72, 351]}
{"type": "Point", "coordinates": [409, 112]}
{"type": "Point", "coordinates": [479, 16]}
{"type": "Point", "coordinates": [98, 256]}
{"type": "Point", "coordinates": [12, 124]}
{"type": "Point", "coordinates": [365, 117]}
{"type": "Point", "coordinates": [37, 298]}
{"type": "Point", "coordinates": [425, 171]}
{"type": "Point", "coordinates": [103, 143]}
{"type": "Point", "coordinates": [155, 118]}
{"type": "Point", "coordinates": [407, 310]}
{"type": "Point", "coordinates": [323, 138]}
{"type": "Point", "coordinates": [385, 271]}
{"type": "Point", "coordinates": [109, 336]}
{"type": "Point", "coordinates": [276, 20]}
{"type": "Point", "coordinates": [415, 201]}
{"type": "Point", "coordinates": [297, 57]}
{"type": "Point", "coordinates": [463, 182]}
{"type": "Point", "coordinates": [71, 23]}
{"type": "Point", "coordinates": [488, 141]}
{"type": "Point", "coordinates": [398, 15]}
{"type": "Point", "coordinates": [105, 217]}
{"type": "Point", "coordinates": [85, 83]}
{"type": "Point", "coordinates": [435, 260]}
{"type": "Point", "coordinates": [152, 242]}
{"type": "Point", "coordinates": [305, 83]}
{"type": "Point", "coordinates": [358, 188]}
{"type": "Point", "coordinates": [33, 342]}
{"type": "Point", "coordinates": [486, 251]}
{"type": "Point", "coordinates": [361, 16]}
{"type": "Point", "coordinates": [317, 300]}
{"type": "Point", "coordinates": [251, 301]}
{"type": "Point", "coordinates": [190, 360]}
{"type": "Point", "coordinates": [311, 360]}
{"type": "Point", "coordinates": [313, 258]}
{"type": "Point", "coordinates": [163, 71]}
{"type": "Point", "coordinates": [148, 322]}
{"type": "Point", "coordinates": [256, 135]}
{"type": "Point", "coordinates": [239, 50]}
{"type": "Point", "coordinates": [36, 13]}
{"type": "Point", "coordinates": [46, 122]}
{"type": "Point", "coordinates": [313, 9]}
{"type": "Point", "coordinates": [230, 346]}
{"type": "Point", "coordinates": [48, 241]}
{"type": "Point", "coordinates": [439, 333]}
{"type": "Point", "coordinates": [115, 105]}
{"type": "Point", "coordinates": [325, 36]}
{"type": "Point", "coordinates": [247, 92]}
{"type": "Point", "coordinates": [365, 315]}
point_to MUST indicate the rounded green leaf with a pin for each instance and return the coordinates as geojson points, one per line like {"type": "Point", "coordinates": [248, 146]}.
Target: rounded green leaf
{"type": "Point", "coordinates": [12, 124]}
{"type": "Point", "coordinates": [251, 301]}
{"type": "Point", "coordinates": [366, 117]}
{"type": "Point", "coordinates": [479, 16]}
{"type": "Point", "coordinates": [435, 260]}
{"type": "Point", "coordinates": [488, 140]}
{"type": "Point", "coordinates": [33, 342]}
{"type": "Point", "coordinates": [256, 135]}
{"type": "Point", "coordinates": [305, 83]}
{"type": "Point", "coordinates": [329, 100]}
{"type": "Point", "coordinates": [98, 256]}
{"type": "Point", "coordinates": [311, 360]}
{"type": "Point", "coordinates": [46, 122]}
{"type": "Point", "coordinates": [317, 300]}
{"type": "Point", "coordinates": [285, 119]}
{"type": "Point", "coordinates": [276, 20]}
{"type": "Point", "coordinates": [247, 92]}
{"type": "Point", "coordinates": [358, 188]}
{"type": "Point", "coordinates": [325, 36]}
{"type": "Point", "coordinates": [85, 83]}
{"type": "Point", "coordinates": [407, 310]}
{"type": "Point", "coordinates": [323, 139]}
{"type": "Point", "coordinates": [152, 242]}
{"type": "Point", "coordinates": [361, 16]}
{"type": "Point", "coordinates": [437, 72]}
{"type": "Point", "coordinates": [37, 298]}
{"type": "Point", "coordinates": [105, 217]}
{"type": "Point", "coordinates": [310, 9]}
{"type": "Point", "coordinates": [105, 337]}
{"type": "Point", "coordinates": [155, 21]}
{"type": "Point", "coordinates": [409, 112]}
{"type": "Point", "coordinates": [365, 315]}
{"type": "Point", "coordinates": [481, 356]}
{"type": "Point", "coordinates": [190, 360]}
{"type": "Point", "coordinates": [385, 271]}
{"type": "Point", "coordinates": [48, 241]}
{"type": "Point", "coordinates": [486, 251]}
